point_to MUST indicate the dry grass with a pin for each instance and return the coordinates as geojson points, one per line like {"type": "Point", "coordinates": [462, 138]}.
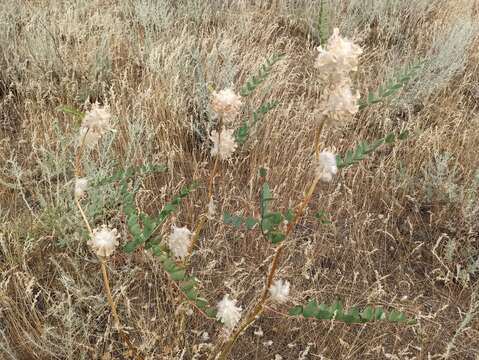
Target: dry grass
{"type": "Point", "coordinates": [404, 229]}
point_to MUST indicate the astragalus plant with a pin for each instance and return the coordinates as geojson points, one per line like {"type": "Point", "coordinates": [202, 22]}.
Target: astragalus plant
{"type": "Point", "coordinates": [336, 64]}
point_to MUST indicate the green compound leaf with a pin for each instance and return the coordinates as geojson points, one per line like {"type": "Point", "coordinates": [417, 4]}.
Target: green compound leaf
{"type": "Point", "coordinates": [311, 309]}
{"type": "Point", "coordinates": [250, 223]}
{"type": "Point", "coordinates": [237, 221]}
{"type": "Point", "coordinates": [289, 215]}
{"type": "Point", "coordinates": [391, 86]}
{"type": "Point", "coordinates": [173, 204]}
{"type": "Point", "coordinates": [352, 316]}
{"type": "Point", "coordinates": [178, 275]}
{"type": "Point", "coordinates": [270, 221]}
{"type": "Point", "coordinates": [295, 310]}
{"type": "Point", "coordinates": [276, 237]}
{"type": "Point", "coordinates": [211, 312]}
{"type": "Point", "coordinates": [186, 284]}
{"type": "Point", "coordinates": [71, 111]}
{"type": "Point", "coordinates": [130, 246]}
{"type": "Point", "coordinates": [143, 226]}
{"type": "Point", "coordinates": [256, 80]}
{"type": "Point", "coordinates": [242, 133]}
{"type": "Point", "coordinates": [362, 149]}
{"type": "Point", "coordinates": [323, 217]}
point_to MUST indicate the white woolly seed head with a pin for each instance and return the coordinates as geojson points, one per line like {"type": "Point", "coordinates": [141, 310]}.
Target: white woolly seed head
{"type": "Point", "coordinates": [339, 58]}
{"type": "Point", "coordinates": [104, 241]}
{"type": "Point", "coordinates": [279, 291]}
{"type": "Point", "coordinates": [179, 241]}
{"type": "Point", "coordinates": [228, 313]}
{"type": "Point", "coordinates": [81, 185]}
{"type": "Point", "coordinates": [326, 166]}
{"type": "Point", "coordinates": [94, 125]}
{"type": "Point", "coordinates": [224, 144]}
{"type": "Point", "coordinates": [342, 103]}
{"type": "Point", "coordinates": [226, 103]}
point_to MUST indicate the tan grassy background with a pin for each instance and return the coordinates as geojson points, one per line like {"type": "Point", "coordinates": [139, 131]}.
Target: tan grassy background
{"type": "Point", "coordinates": [404, 230]}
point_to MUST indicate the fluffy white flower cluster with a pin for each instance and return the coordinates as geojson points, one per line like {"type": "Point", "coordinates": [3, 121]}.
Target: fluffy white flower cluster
{"type": "Point", "coordinates": [81, 186]}
{"type": "Point", "coordinates": [335, 63]}
{"type": "Point", "coordinates": [104, 241]}
{"type": "Point", "coordinates": [228, 313]}
{"type": "Point", "coordinates": [339, 59]}
{"type": "Point", "coordinates": [342, 103]}
{"type": "Point", "coordinates": [326, 166]}
{"type": "Point", "coordinates": [179, 241]}
{"type": "Point", "coordinates": [227, 105]}
{"type": "Point", "coordinates": [279, 291]}
{"type": "Point", "coordinates": [224, 144]}
{"type": "Point", "coordinates": [94, 125]}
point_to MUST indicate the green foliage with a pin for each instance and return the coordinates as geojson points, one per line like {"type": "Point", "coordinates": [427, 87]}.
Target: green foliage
{"type": "Point", "coordinates": [262, 74]}
{"type": "Point", "coordinates": [391, 86]}
{"type": "Point", "coordinates": [269, 222]}
{"type": "Point", "coordinates": [323, 22]}
{"type": "Point", "coordinates": [354, 315]}
{"type": "Point", "coordinates": [129, 172]}
{"type": "Point", "coordinates": [237, 221]}
{"type": "Point", "coordinates": [186, 284]}
{"type": "Point", "coordinates": [168, 208]}
{"type": "Point", "coordinates": [264, 198]}
{"type": "Point", "coordinates": [323, 217]}
{"type": "Point", "coordinates": [263, 172]}
{"type": "Point", "coordinates": [364, 148]}
{"type": "Point", "coordinates": [243, 132]}
{"type": "Point", "coordinates": [71, 111]}
{"type": "Point", "coordinates": [143, 226]}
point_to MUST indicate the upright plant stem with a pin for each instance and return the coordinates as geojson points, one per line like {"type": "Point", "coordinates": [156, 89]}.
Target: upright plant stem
{"type": "Point", "coordinates": [259, 307]}
{"type": "Point", "coordinates": [106, 282]}
{"type": "Point", "coordinates": [106, 285]}
{"type": "Point", "coordinates": [202, 219]}
{"type": "Point", "coordinates": [317, 139]}
{"type": "Point", "coordinates": [109, 297]}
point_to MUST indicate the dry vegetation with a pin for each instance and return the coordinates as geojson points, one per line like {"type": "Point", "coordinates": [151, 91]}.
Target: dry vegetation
{"type": "Point", "coordinates": [404, 223]}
